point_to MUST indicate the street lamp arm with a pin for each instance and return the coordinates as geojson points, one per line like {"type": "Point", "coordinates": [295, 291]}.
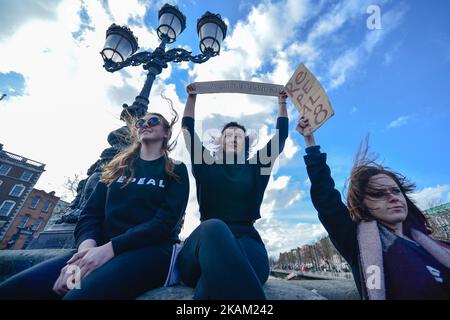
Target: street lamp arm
{"type": "Point", "coordinates": [134, 60]}
{"type": "Point", "coordinates": [172, 55]}
{"type": "Point", "coordinates": [179, 55]}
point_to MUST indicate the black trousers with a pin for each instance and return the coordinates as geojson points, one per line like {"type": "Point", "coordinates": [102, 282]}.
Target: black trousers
{"type": "Point", "coordinates": [224, 262]}
{"type": "Point", "coordinates": [125, 276]}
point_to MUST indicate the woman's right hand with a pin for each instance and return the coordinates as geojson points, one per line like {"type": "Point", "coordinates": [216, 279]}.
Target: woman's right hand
{"type": "Point", "coordinates": [190, 89]}
{"type": "Point", "coordinates": [60, 285]}
{"type": "Point", "coordinates": [304, 128]}
{"type": "Point", "coordinates": [189, 109]}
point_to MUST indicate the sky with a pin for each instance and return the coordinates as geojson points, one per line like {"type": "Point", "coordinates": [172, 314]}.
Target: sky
{"type": "Point", "coordinates": [388, 78]}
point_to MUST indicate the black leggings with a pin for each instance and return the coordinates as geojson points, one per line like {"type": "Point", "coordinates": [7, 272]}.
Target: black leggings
{"type": "Point", "coordinates": [224, 262]}
{"type": "Point", "coordinates": [125, 276]}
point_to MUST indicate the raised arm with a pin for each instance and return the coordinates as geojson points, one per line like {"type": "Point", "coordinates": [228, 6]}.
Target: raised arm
{"type": "Point", "coordinates": [267, 155]}
{"type": "Point", "coordinates": [333, 213]}
{"type": "Point", "coordinates": [189, 109]}
{"type": "Point", "coordinates": [282, 101]}
{"type": "Point", "coordinates": [197, 151]}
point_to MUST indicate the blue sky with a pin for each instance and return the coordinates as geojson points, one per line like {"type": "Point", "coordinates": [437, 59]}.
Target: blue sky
{"type": "Point", "coordinates": [392, 83]}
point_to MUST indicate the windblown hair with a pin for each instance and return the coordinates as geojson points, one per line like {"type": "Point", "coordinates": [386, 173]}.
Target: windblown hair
{"type": "Point", "coordinates": [365, 167]}
{"type": "Point", "coordinates": [123, 164]}
{"type": "Point", "coordinates": [233, 124]}
{"type": "Point", "coordinates": [215, 143]}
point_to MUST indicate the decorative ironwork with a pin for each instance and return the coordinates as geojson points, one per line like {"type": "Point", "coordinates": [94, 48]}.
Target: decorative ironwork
{"type": "Point", "coordinates": [160, 58]}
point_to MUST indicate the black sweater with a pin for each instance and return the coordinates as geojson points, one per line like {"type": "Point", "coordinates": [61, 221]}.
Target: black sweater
{"type": "Point", "coordinates": [232, 192]}
{"type": "Point", "coordinates": [149, 210]}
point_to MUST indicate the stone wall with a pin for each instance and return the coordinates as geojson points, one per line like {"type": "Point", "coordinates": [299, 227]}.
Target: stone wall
{"type": "Point", "coordinates": [14, 261]}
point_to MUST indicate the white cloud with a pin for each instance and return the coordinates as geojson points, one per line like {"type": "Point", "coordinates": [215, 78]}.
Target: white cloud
{"type": "Point", "coordinates": [342, 66]}
{"type": "Point", "coordinates": [350, 59]}
{"type": "Point", "coordinates": [250, 44]}
{"type": "Point", "coordinates": [281, 236]}
{"type": "Point", "coordinates": [13, 14]}
{"type": "Point", "coordinates": [290, 149]}
{"type": "Point", "coordinates": [122, 11]}
{"type": "Point", "coordinates": [67, 110]}
{"type": "Point", "coordinates": [280, 194]}
{"type": "Point", "coordinates": [432, 196]}
{"type": "Point", "coordinates": [399, 122]}
{"type": "Point", "coordinates": [279, 183]}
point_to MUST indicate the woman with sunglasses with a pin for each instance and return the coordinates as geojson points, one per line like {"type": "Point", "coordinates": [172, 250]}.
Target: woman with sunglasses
{"type": "Point", "coordinates": [224, 257]}
{"type": "Point", "coordinates": [127, 229]}
{"type": "Point", "coordinates": [381, 233]}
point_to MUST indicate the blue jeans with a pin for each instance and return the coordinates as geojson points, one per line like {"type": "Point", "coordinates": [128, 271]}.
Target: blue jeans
{"type": "Point", "coordinates": [224, 262]}
{"type": "Point", "coordinates": [125, 276]}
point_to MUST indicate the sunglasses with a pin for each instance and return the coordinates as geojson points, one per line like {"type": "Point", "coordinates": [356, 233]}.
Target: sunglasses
{"type": "Point", "coordinates": [151, 122]}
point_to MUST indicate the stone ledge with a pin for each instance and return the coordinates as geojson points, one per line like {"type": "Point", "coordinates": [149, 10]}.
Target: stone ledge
{"type": "Point", "coordinates": [14, 261]}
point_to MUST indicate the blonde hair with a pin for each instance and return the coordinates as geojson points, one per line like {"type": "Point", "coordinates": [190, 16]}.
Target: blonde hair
{"type": "Point", "coordinates": [124, 162]}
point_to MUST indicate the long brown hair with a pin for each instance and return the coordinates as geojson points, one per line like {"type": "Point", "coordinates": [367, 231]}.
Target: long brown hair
{"type": "Point", "coordinates": [124, 162]}
{"type": "Point", "coordinates": [365, 167]}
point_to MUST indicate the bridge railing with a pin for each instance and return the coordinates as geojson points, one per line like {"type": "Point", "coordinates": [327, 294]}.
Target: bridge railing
{"type": "Point", "coordinates": [324, 274]}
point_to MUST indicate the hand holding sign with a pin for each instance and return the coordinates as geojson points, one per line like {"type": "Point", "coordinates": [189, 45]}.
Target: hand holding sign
{"type": "Point", "coordinates": [303, 127]}
{"type": "Point", "coordinates": [309, 98]}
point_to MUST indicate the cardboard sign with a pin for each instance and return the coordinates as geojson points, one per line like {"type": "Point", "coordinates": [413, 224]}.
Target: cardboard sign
{"type": "Point", "coordinates": [309, 97]}
{"type": "Point", "coordinates": [236, 86]}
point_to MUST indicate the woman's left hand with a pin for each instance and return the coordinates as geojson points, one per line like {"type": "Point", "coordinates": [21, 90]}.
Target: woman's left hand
{"type": "Point", "coordinates": [282, 96]}
{"type": "Point", "coordinates": [94, 258]}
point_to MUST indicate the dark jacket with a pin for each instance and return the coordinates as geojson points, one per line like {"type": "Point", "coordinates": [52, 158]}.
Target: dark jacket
{"type": "Point", "coordinates": [333, 213]}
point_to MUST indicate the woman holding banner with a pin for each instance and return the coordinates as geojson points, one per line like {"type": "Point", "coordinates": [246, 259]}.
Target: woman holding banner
{"type": "Point", "coordinates": [381, 233]}
{"type": "Point", "coordinates": [224, 257]}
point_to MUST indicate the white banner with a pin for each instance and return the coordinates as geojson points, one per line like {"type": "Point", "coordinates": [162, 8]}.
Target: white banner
{"type": "Point", "coordinates": [237, 86]}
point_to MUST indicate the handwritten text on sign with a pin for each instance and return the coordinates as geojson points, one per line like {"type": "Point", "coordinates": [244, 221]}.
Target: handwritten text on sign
{"type": "Point", "coordinates": [236, 86]}
{"type": "Point", "coordinates": [309, 97]}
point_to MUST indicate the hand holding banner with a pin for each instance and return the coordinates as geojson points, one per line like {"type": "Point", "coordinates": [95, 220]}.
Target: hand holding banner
{"type": "Point", "coordinates": [309, 97]}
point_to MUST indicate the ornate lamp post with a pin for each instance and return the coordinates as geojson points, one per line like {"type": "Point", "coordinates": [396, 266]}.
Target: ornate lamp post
{"type": "Point", "coordinates": [120, 51]}
{"type": "Point", "coordinates": [121, 46]}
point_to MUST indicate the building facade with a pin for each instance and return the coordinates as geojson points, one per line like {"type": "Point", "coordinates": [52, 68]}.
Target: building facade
{"type": "Point", "coordinates": [30, 220]}
{"type": "Point", "coordinates": [55, 235]}
{"type": "Point", "coordinates": [57, 213]}
{"type": "Point", "coordinates": [18, 175]}
{"type": "Point", "coordinates": [439, 219]}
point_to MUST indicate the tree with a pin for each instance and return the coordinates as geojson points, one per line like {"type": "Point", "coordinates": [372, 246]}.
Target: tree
{"type": "Point", "coordinates": [436, 202]}
{"type": "Point", "coordinates": [71, 186]}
